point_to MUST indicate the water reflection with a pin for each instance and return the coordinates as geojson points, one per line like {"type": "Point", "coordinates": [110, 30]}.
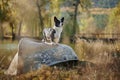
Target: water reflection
{"type": "Point", "coordinates": [9, 46]}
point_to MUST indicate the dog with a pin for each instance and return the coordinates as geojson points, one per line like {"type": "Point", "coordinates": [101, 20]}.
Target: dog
{"type": "Point", "coordinates": [52, 35]}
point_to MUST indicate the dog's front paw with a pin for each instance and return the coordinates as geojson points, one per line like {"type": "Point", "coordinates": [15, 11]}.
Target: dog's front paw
{"type": "Point", "coordinates": [52, 43]}
{"type": "Point", "coordinates": [56, 44]}
{"type": "Point", "coordinates": [48, 43]}
{"type": "Point", "coordinates": [43, 40]}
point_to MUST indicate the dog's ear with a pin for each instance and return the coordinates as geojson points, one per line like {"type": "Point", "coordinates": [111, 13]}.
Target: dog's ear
{"type": "Point", "coordinates": [62, 19]}
{"type": "Point", "coordinates": [55, 19]}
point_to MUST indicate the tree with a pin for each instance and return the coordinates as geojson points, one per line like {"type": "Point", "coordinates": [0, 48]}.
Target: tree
{"type": "Point", "coordinates": [6, 15]}
{"type": "Point", "coordinates": [40, 6]}
{"type": "Point", "coordinates": [75, 26]}
{"type": "Point", "coordinates": [84, 4]}
{"type": "Point", "coordinates": [113, 26]}
{"type": "Point", "coordinates": [19, 29]}
{"type": "Point", "coordinates": [46, 10]}
{"type": "Point", "coordinates": [55, 8]}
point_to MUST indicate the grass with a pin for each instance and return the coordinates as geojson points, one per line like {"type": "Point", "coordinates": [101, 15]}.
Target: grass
{"type": "Point", "coordinates": [7, 52]}
{"type": "Point", "coordinates": [105, 56]}
{"type": "Point", "coordinates": [98, 61]}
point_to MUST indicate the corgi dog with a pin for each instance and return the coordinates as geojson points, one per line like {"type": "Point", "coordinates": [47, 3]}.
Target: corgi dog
{"type": "Point", "coordinates": [52, 35]}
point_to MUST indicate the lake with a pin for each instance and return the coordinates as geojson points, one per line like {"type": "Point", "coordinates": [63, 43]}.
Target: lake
{"type": "Point", "coordinates": [8, 45]}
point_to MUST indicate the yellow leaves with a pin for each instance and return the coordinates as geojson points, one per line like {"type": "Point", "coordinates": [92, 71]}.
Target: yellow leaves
{"type": "Point", "coordinates": [55, 7]}
{"type": "Point", "coordinates": [42, 74]}
{"type": "Point", "coordinates": [117, 11]}
{"type": "Point", "coordinates": [6, 10]}
{"type": "Point", "coordinates": [85, 3]}
{"type": "Point", "coordinates": [41, 78]}
{"type": "Point", "coordinates": [114, 21]}
{"type": "Point", "coordinates": [67, 79]}
{"type": "Point", "coordinates": [48, 73]}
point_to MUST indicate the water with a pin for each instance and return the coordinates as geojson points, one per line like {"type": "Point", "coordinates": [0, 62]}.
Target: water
{"type": "Point", "coordinates": [9, 45]}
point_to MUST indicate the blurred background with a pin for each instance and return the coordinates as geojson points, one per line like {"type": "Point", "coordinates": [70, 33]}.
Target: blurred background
{"type": "Point", "coordinates": [27, 18]}
{"type": "Point", "coordinates": [84, 19]}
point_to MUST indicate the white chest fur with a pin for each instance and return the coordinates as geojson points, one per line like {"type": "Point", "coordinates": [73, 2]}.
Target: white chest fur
{"type": "Point", "coordinates": [57, 33]}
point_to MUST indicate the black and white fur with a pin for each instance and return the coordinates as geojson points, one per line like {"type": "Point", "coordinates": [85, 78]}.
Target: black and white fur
{"type": "Point", "coordinates": [48, 35]}
{"type": "Point", "coordinates": [52, 35]}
